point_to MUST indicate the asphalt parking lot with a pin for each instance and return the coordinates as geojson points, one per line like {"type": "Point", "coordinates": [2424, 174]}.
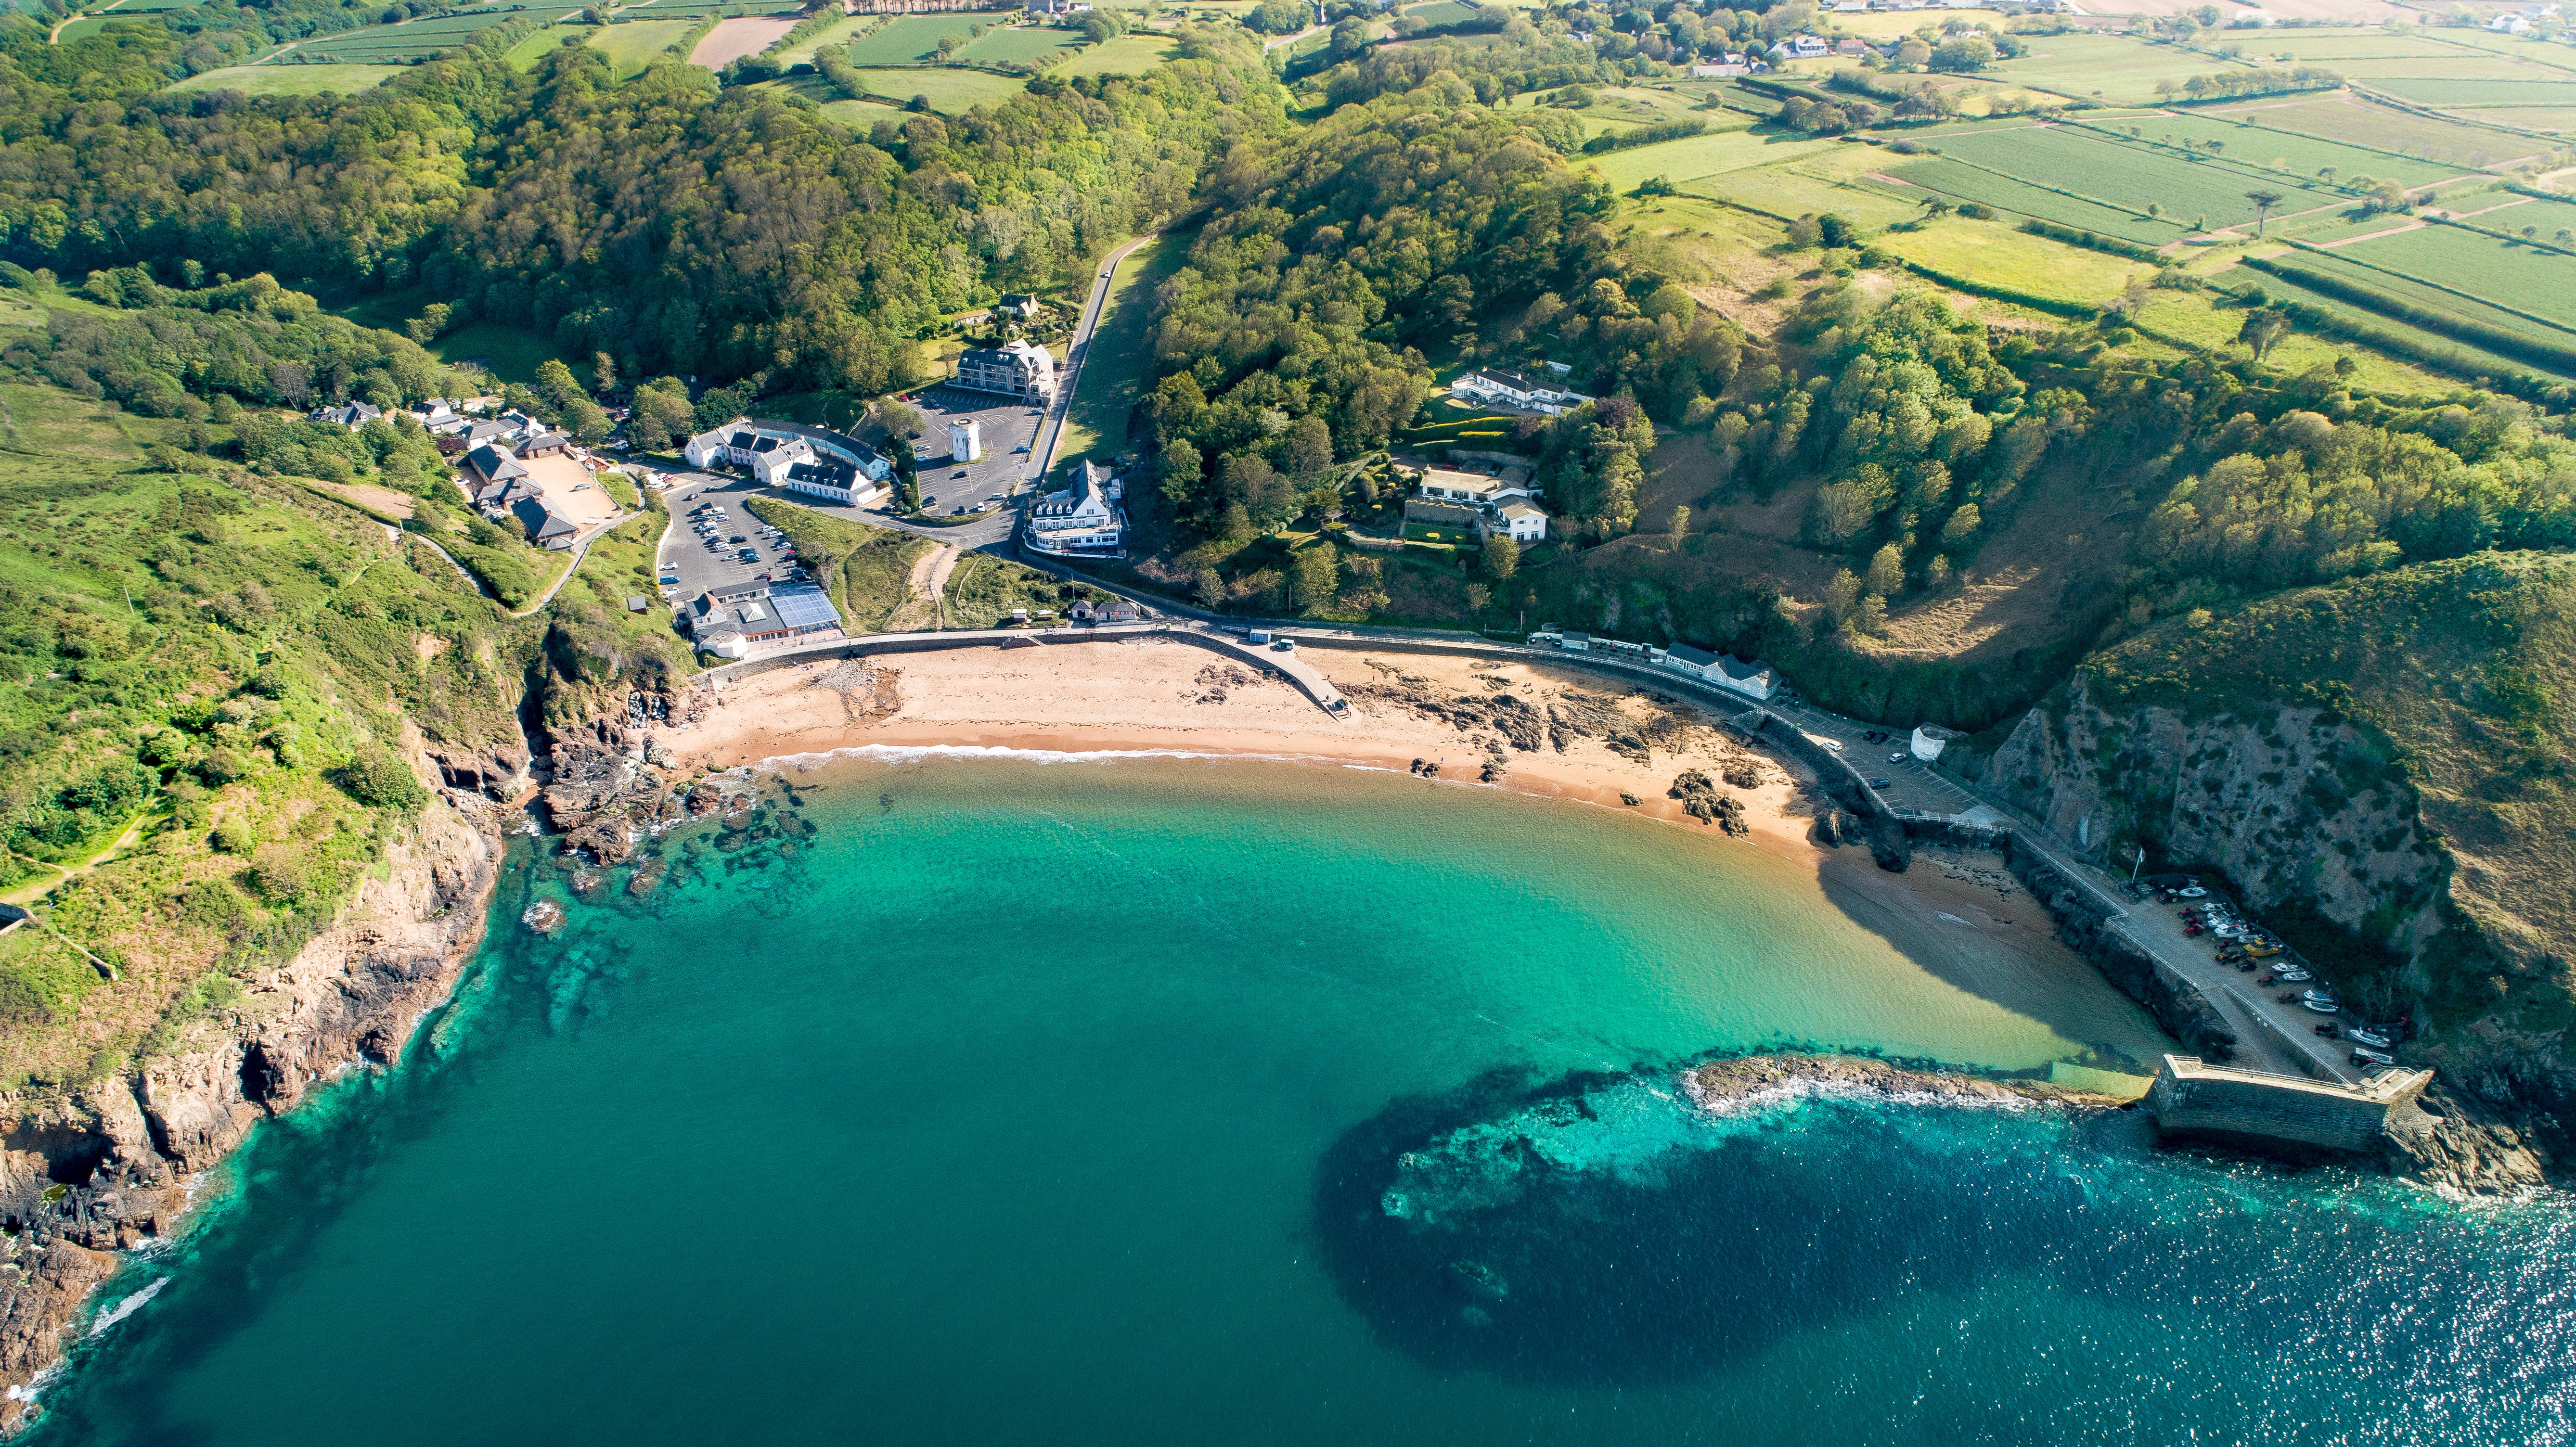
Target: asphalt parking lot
{"type": "Point", "coordinates": [701, 568]}
{"type": "Point", "coordinates": [1009, 428]}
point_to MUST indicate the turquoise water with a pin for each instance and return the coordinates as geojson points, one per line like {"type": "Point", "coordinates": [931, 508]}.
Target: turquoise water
{"type": "Point", "coordinates": [1175, 1101]}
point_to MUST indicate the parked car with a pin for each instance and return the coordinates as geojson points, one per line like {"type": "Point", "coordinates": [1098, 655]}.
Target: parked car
{"type": "Point", "coordinates": [1284, 645]}
{"type": "Point", "coordinates": [1896, 758]}
{"type": "Point", "coordinates": [1879, 783]}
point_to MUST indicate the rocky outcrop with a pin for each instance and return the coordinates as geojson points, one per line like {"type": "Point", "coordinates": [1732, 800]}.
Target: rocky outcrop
{"type": "Point", "coordinates": [2459, 1146]}
{"type": "Point", "coordinates": [83, 1179]}
{"type": "Point", "coordinates": [611, 784]}
{"type": "Point", "coordinates": [2300, 808]}
{"type": "Point", "coordinates": [1721, 1085]}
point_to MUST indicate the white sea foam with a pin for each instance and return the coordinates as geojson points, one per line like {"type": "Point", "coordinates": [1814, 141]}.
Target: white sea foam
{"type": "Point", "coordinates": [128, 1307]}
{"type": "Point", "coordinates": [1800, 1090]}
{"type": "Point", "coordinates": [912, 753]}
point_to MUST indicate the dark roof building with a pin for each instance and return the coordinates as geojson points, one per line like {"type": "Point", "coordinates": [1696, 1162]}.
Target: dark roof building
{"type": "Point", "coordinates": [546, 527]}
{"type": "Point", "coordinates": [493, 463]}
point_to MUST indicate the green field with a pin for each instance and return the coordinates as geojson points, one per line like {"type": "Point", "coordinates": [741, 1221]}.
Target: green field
{"type": "Point", "coordinates": [2194, 317]}
{"type": "Point", "coordinates": [701, 9]}
{"type": "Point", "coordinates": [2429, 298]}
{"type": "Point", "coordinates": [2385, 128]}
{"type": "Point", "coordinates": [1959, 183]}
{"type": "Point", "coordinates": [1995, 253]}
{"type": "Point", "coordinates": [952, 91]}
{"type": "Point", "coordinates": [1132, 54]}
{"type": "Point", "coordinates": [1796, 190]}
{"type": "Point", "coordinates": [1694, 157]}
{"type": "Point", "coordinates": [2134, 175]}
{"type": "Point", "coordinates": [417, 40]}
{"type": "Point", "coordinates": [839, 32]}
{"type": "Point", "coordinates": [1120, 362]}
{"type": "Point", "coordinates": [291, 79]}
{"type": "Point", "coordinates": [526, 54]}
{"type": "Point", "coordinates": [2106, 68]}
{"type": "Point", "coordinates": [2557, 120]}
{"type": "Point", "coordinates": [2527, 277]}
{"type": "Point", "coordinates": [2470, 94]}
{"type": "Point", "coordinates": [2298, 156]}
{"type": "Point", "coordinates": [2493, 363]}
{"type": "Point", "coordinates": [907, 39]}
{"type": "Point", "coordinates": [632, 45]}
{"type": "Point", "coordinates": [1021, 45]}
{"type": "Point", "coordinates": [1443, 12]}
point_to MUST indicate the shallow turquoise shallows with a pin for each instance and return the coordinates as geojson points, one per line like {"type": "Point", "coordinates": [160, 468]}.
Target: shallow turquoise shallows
{"type": "Point", "coordinates": [1169, 1101]}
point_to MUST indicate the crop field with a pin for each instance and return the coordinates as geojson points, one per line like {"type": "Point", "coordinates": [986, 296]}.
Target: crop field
{"type": "Point", "coordinates": [2512, 212]}
{"type": "Point", "coordinates": [412, 41]}
{"type": "Point", "coordinates": [2332, 47]}
{"type": "Point", "coordinates": [631, 45]}
{"type": "Point", "coordinates": [1796, 190]}
{"type": "Point", "coordinates": [2454, 66]}
{"type": "Point", "coordinates": [701, 9]}
{"type": "Point", "coordinates": [2557, 120]}
{"type": "Point", "coordinates": [1995, 253]}
{"type": "Point", "coordinates": [2495, 363]}
{"type": "Point", "coordinates": [2429, 298]}
{"type": "Point", "coordinates": [1131, 54]}
{"type": "Point", "coordinates": [2298, 156]}
{"type": "Point", "coordinates": [1444, 12]}
{"type": "Point", "coordinates": [1888, 24]}
{"type": "Point", "coordinates": [2527, 277]}
{"type": "Point", "coordinates": [2106, 68]}
{"type": "Point", "coordinates": [2192, 317]}
{"type": "Point", "coordinates": [1956, 182]}
{"type": "Point", "coordinates": [1694, 157]}
{"type": "Point", "coordinates": [951, 91]}
{"type": "Point", "coordinates": [290, 79]}
{"type": "Point", "coordinates": [840, 32]}
{"type": "Point", "coordinates": [2132, 174]}
{"type": "Point", "coordinates": [1021, 45]}
{"type": "Point", "coordinates": [2362, 124]}
{"type": "Point", "coordinates": [526, 54]}
{"type": "Point", "coordinates": [2470, 94]}
{"type": "Point", "coordinates": [906, 39]}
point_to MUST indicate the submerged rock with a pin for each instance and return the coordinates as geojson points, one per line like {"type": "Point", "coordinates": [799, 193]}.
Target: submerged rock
{"type": "Point", "coordinates": [543, 917]}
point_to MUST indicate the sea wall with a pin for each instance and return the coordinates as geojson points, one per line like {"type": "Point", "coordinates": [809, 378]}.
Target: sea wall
{"type": "Point", "coordinates": [2088, 929]}
{"type": "Point", "coordinates": [84, 1179]}
{"type": "Point", "coordinates": [2191, 1097]}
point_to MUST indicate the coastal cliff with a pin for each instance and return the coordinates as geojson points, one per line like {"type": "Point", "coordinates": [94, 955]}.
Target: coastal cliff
{"type": "Point", "coordinates": [87, 1177]}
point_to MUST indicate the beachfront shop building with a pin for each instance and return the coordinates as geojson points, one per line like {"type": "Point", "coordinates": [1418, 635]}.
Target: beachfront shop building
{"type": "Point", "coordinates": [768, 449]}
{"type": "Point", "coordinates": [732, 622]}
{"type": "Point", "coordinates": [1753, 680]}
{"type": "Point", "coordinates": [1083, 521]}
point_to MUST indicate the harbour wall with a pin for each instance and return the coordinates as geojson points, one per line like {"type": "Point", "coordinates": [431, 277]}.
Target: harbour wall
{"type": "Point", "coordinates": [2192, 1097]}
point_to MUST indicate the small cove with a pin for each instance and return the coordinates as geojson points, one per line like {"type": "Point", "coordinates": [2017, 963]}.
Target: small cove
{"type": "Point", "coordinates": [978, 1100]}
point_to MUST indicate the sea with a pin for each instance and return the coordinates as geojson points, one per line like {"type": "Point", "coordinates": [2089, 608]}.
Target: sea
{"type": "Point", "coordinates": [955, 1098]}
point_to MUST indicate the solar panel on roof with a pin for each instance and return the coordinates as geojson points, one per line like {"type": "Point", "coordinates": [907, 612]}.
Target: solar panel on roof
{"type": "Point", "coordinates": [804, 608]}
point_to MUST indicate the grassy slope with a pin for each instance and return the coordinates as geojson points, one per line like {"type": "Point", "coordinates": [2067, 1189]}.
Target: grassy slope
{"type": "Point", "coordinates": [1120, 361]}
{"type": "Point", "coordinates": [137, 608]}
{"type": "Point", "coordinates": [874, 569]}
{"type": "Point", "coordinates": [632, 45]}
{"type": "Point", "coordinates": [290, 79]}
{"type": "Point", "coordinates": [2469, 668]}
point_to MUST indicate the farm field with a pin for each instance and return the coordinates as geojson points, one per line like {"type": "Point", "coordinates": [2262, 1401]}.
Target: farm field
{"type": "Point", "coordinates": [859, 115]}
{"type": "Point", "coordinates": [291, 79]}
{"type": "Point", "coordinates": [840, 32]}
{"type": "Point", "coordinates": [2329, 46]}
{"type": "Point", "coordinates": [412, 41]}
{"type": "Point", "coordinates": [2297, 156]}
{"type": "Point", "coordinates": [1021, 45]}
{"type": "Point", "coordinates": [2470, 94]}
{"type": "Point", "coordinates": [2558, 120]}
{"type": "Point", "coordinates": [739, 37]}
{"type": "Point", "coordinates": [2491, 363]}
{"type": "Point", "coordinates": [2455, 66]}
{"type": "Point", "coordinates": [2429, 298]}
{"type": "Point", "coordinates": [1694, 157]}
{"type": "Point", "coordinates": [951, 91]}
{"type": "Point", "coordinates": [1887, 24]}
{"type": "Point", "coordinates": [1995, 253]}
{"type": "Point", "coordinates": [2195, 318]}
{"type": "Point", "coordinates": [1958, 182]}
{"type": "Point", "coordinates": [1131, 54]}
{"type": "Point", "coordinates": [2106, 68]}
{"type": "Point", "coordinates": [1443, 12]}
{"type": "Point", "coordinates": [1808, 189]}
{"type": "Point", "coordinates": [2362, 124]}
{"type": "Point", "coordinates": [700, 9]}
{"type": "Point", "coordinates": [2131, 175]}
{"type": "Point", "coordinates": [2519, 276]}
{"type": "Point", "coordinates": [906, 39]}
{"type": "Point", "coordinates": [526, 54]}
{"type": "Point", "coordinates": [632, 45]}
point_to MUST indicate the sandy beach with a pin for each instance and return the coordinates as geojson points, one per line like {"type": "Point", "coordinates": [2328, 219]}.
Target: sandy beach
{"type": "Point", "coordinates": [1601, 741]}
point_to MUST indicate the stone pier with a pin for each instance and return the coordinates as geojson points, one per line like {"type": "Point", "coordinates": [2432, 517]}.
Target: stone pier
{"type": "Point", "coordinates": [2191, 1097]}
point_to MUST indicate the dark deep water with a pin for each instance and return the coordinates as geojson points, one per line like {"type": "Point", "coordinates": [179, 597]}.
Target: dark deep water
{"type": "Point", "coordinates": [1171, 1101]}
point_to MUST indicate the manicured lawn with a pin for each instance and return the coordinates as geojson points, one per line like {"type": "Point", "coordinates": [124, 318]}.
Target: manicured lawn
{"type": "Point", "coordinates": [291, 79]}
{"type": "Point", "coordinates": [1132, 54]}
{"type": "Point", "coordinates": [509, 353]}
{"type": "Point", "coordinates": [951, 91]}
{"type": "Point", "coordinates": [1022, 45]}
{"type": "Point", "coordinates": [907, 39]}
{"type": "Point", "coordinates": [1121, 359]}
{"type": "Point", "coordinates": [1998, 255]}
{"type": "Point", "coordinates": [633, 45]}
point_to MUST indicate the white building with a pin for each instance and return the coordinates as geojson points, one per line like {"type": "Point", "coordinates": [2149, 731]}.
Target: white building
{"type": "Point", "coordinates": [832, 480]}
{"type": "Point", "coordinates": [1518, 519]}
{"type": "Point", "coordinates": [965, 440]}
{"type": "Point", "coordinates": [1486, 388]}
{"type": "Point", "coordinates": [1503, 500]}
{"type": "Point", "coordinates": [1084, 521]}
{"type": "Point", "coordinates": [769, 449]}
{"type": "Point", "coordinates": [1727, 64]}
{"type": "Point", "coordinates": [1754, 680]}
{"type": "Point", "coordinates": [1017, 368]}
